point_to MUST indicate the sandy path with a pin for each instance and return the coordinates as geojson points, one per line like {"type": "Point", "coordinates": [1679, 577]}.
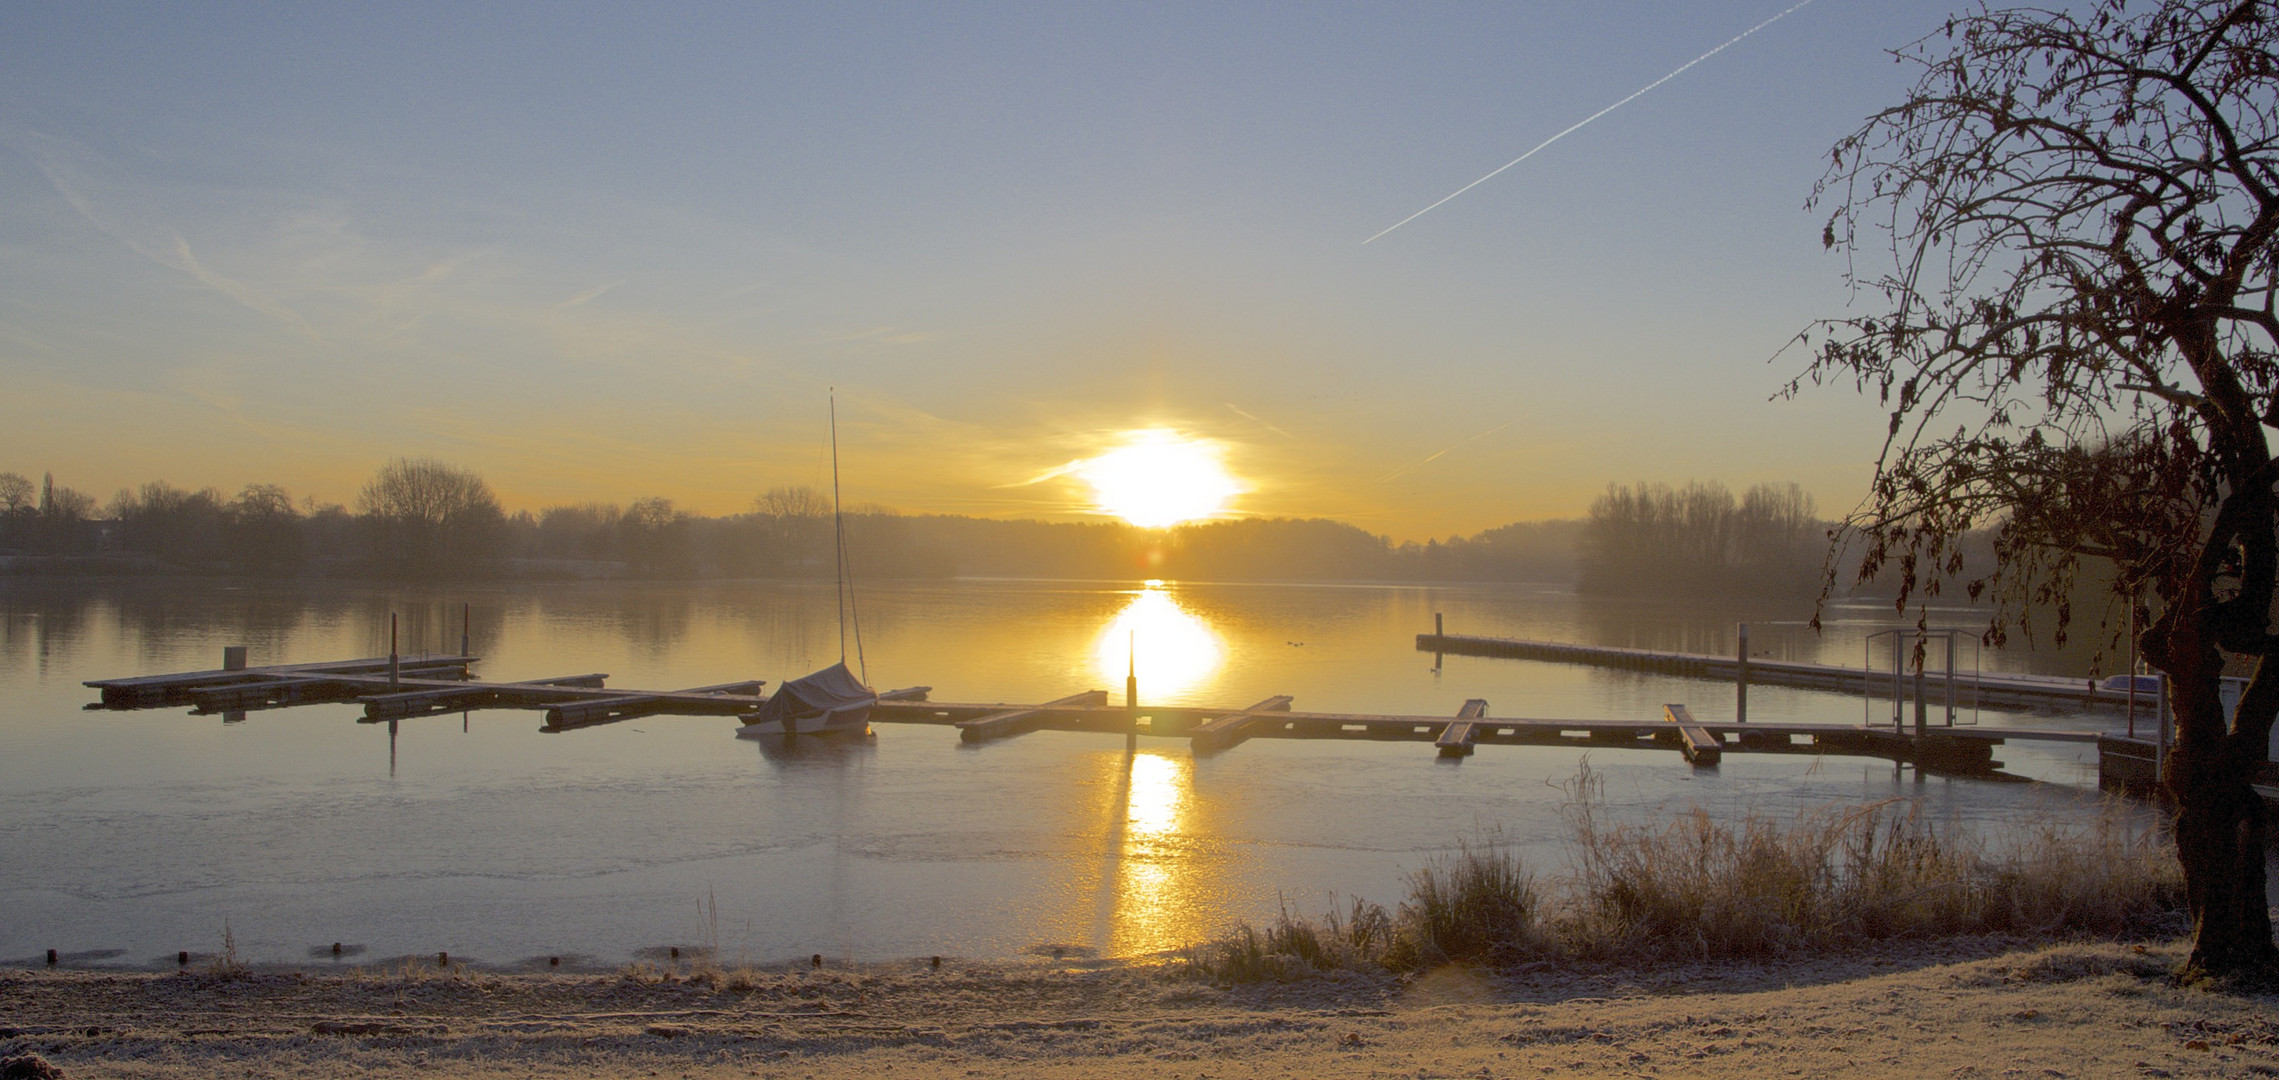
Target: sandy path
{"type": "Point", "coordinates": [1955, 1010]}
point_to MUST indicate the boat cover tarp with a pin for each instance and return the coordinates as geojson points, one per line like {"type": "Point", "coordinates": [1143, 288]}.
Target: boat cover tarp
{"type": "Point", "coordinates": [833, 687]}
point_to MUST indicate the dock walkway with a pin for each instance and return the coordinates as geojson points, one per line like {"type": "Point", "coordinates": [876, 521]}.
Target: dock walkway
{"type": "Point", "coordinates": [395, 688]}
{"type": "Point", "coordinates": [1985, 690]}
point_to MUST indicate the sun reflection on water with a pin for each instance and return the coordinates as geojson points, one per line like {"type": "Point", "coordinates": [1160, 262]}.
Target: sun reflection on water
{"type": "Point", "coordinates": [1171, 649]}
{"type": "Point", "coordinates": [1154, 879]}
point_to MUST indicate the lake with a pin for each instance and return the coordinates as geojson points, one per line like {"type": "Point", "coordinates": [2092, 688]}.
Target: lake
{"type": "Point", "coordinates": [130, 835]}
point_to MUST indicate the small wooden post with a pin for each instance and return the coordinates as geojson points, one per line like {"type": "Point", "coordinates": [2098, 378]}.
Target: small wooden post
{"type": "Point", "coordinates": [466, 624]}
{"type": "Point", "coordinates": [51, 958]}
{"type": "Point", "coordinates": [1741, 681]}
{"type": "Point", "coordinates": [1921, 721]}
{"type": "Point", "coordinates": [233, 658]}
{"type": "Point", "coordinates": [2160, 724]}
{"type": "Point", "coordinates": [1131, 693]}
{"type": "Point", "coordinates": [1439, 630]}
{"type": "Point", "coordinates": [395, 667]}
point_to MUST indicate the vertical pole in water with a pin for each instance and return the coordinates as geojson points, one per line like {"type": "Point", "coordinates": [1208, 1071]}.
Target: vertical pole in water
{"type": "Point", "coordinates": [466, 624]}
{"type": "Point", "coordinates": [1950, 678]}
{"type": "Point", "coordinates": [1922, 653]}
{"type": "Point", "coordinates": [395, 669]}
{"type": "Point", "coordinates": [1439, 631]}
{"type": "Point", "coordinates": [1741, 680]}
{"type": "Point", "coordinates": [233, 658]}
{"type": "Point", "coordinates": [1898, 686]}
{"type": "Point", "coordinates": [1131, 692]}
{"type": "Point", "coordinates": [2132, 667]}
{"type": "Point", "coordinates": [2160, 722]}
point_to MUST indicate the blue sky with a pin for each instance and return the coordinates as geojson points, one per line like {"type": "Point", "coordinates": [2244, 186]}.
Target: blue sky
{"type": "Point", "coordinates": [602, 252]}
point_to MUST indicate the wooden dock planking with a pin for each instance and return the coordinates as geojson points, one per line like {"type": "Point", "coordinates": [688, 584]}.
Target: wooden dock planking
{"type": "Point", "coordinates": [1997, 690]}
{"type": "Point", "coordinates": [735, 697]}
{"type": "Point", "coordinates": [1016, 721]}
{"type": "Point", "coordinates": [1222, 732]}
{"type": "Point", "coordinates": [1698, 743]}
{"type": "Point", "coordinates": [145, 691]}
{"type": "Point", "coordinates": [410, 703]}
{"type": "Point", "coordinates": [1457, 738]}
{"type": "Point", "coordinates": [1951, 750]}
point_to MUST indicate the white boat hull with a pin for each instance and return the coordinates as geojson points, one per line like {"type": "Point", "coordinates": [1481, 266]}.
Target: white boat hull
{"type": "Point", "coordinates": [845, 719]}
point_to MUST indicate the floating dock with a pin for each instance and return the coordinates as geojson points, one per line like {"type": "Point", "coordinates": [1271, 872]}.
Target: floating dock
{"type": "Point", "coordinates": [1983, 690]}
{"type": "Point", "coordinates": [397, 688]}
{"type": "Point", "coordinates": [1962, 750]}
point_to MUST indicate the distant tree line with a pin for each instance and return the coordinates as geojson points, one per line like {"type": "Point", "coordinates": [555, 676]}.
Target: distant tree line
{"type": "Point", "coordinates": [1698, 540]}
{"type": "Point", "coordinates": [421, 518]}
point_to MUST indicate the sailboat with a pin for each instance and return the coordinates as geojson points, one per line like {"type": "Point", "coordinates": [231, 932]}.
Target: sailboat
{"type": "Point", "coordinates": [833, 700]}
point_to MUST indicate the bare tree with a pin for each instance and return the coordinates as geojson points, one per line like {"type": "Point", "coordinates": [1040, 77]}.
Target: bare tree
{"type": "Point", "coordinates": [793, 502]}
{"type": "Point", "coordinates": [796, 528]}
{"type": "Point", "coordinates": [427, 516]}
{"type": "Point", "coordinates": [655, 537]}
{"type": "Point", "coordinates": [15, 493]}
{"type": "Point", "coordinates": [2076, 341]}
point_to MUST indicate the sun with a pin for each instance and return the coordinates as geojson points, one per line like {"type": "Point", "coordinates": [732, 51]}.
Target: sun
{"type": "Point", "coordinates": [1159, 478]}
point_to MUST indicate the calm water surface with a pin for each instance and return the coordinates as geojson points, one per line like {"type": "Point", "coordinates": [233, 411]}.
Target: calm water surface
{"type": "Point", "coordinates": [129, 835]}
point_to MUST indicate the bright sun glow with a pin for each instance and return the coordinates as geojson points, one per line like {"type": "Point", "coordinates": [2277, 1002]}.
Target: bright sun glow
{"type": "Point", "coordinates": [1160, 478]}
{"type": "Point", "coordinates": [1169, 649]}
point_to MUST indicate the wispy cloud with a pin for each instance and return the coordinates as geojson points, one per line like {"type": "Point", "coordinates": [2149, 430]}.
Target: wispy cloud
{"type": "Point", "coordinates": [588, 295]}
{"type": "Point", "coordinates": [885, 335]}
{"type": "Point", "coordinates": [160, 244]}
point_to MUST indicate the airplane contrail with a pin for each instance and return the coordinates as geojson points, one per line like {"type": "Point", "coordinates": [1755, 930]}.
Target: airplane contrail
{"type": "Point", "coordinates": [1450, 448]}
{"type": "Point", "coordinates": [1784, 13]}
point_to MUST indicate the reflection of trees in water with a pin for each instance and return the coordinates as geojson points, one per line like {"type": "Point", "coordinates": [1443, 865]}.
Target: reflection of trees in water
{"type": "Point", "coordinates": [151, 620]}
{"type": "Point", "coordinates": [37, 625]}
{"type": "Point", "coordinates": [653, 620]}
{"type": "Point", "coordinates": [155, 619]}
{"type": "Point", "coordinates": [800, 621]}
{"type": "Point", "coordinates": [1692, 626]}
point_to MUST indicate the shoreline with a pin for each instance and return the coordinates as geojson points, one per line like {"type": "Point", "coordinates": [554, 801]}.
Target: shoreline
{"type": "Point", "coordinates": [1983, 1006]}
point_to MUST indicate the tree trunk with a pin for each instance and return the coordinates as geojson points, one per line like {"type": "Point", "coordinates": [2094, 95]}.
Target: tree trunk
{"type": "Point", "coordinates": [2220, 827]}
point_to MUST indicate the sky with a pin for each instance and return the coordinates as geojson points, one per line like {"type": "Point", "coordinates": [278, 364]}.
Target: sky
{"type": "Point", "coordinates": [603, 252]}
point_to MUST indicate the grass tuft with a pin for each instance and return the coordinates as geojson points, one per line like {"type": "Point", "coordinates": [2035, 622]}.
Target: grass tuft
{"type": "Point", "coordinates": [1701, 887]}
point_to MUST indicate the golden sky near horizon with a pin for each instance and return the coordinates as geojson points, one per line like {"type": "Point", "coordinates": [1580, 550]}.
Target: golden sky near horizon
{"type": "Point", "coordinates": [595, 256]}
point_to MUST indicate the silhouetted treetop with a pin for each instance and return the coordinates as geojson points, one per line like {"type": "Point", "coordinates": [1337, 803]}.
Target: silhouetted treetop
{"type": "Point", "coordinates": [2075, 337]}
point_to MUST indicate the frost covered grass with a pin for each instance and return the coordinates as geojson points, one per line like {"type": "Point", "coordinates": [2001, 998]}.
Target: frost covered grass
{"type": "Point", "coordinates": [1755, 888]}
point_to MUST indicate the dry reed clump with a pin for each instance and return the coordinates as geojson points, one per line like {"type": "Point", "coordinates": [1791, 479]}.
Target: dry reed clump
{"type": "Point", "coordinates": [1754, 888]}
{"type": "Point", "coordinates": [1293, 947]}
{"type": "Point", "coordinates": [1479, 905]}
{"type": "Point", "coordinates": [1846, 876]}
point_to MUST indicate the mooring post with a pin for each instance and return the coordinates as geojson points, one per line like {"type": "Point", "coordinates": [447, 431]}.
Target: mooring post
{"type": "Point", "coordinates": [2160, 724]}
{"type": "Point", "coordinates": [395, 668]}
{"type": "Point", "coordinates": [1439, 634]}
{"type": "Point", "coordinates": [1950, 678]}
{"type": "Point", "coordinates": [1131, 694]}
{"type": "Point", "coordinates": [1922, 653]}
{"type": "Point", "coordinates": [1741, 681]}
{"type": "Point", "coordinates": [466, 623]}
{"type": "Point", "coordinates": [233, 658]}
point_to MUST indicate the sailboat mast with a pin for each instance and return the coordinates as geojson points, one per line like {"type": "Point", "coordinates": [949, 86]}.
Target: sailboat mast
{"type": "Point", "coordinates": [838, 533]}
{"type": "Point", "coordinates": [845, 591]}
